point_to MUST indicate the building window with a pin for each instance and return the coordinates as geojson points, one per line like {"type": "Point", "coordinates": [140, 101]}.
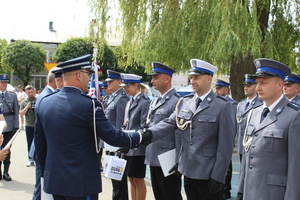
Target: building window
{"type": "Point", "coordinates": [39, 82]}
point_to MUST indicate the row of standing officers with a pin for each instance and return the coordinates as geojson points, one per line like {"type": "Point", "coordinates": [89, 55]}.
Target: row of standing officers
{"type": "Point", "coordinates": [201, 127]}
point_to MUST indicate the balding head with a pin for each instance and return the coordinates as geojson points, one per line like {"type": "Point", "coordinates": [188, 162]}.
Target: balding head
{"type": "Point", "coordinates": [51, 78]}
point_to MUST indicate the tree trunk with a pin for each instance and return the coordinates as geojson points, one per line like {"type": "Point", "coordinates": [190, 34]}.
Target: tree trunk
{"type": "Point", "coordinates": [237, 76]}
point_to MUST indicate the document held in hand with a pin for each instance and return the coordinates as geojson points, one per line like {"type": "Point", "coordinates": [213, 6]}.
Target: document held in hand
{"type": "Point", "coordinates": [167, 161]}
{"type": "Point", "coordinates": [12, 139]}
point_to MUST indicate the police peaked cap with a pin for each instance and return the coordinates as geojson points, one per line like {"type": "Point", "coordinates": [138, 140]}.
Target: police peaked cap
{"type": "Point", "coordinates": [57, 72]}
{"type": "Point", "coordinates": [103, 84]}
{"type": "Point", "coordinates": [270, 68]}
{"type": "Point", "coordinates": [159, 68]}
{"type": "Point", "coordinates": [112, 75]}
{"type": "Point", "coordinates": [82, 62]}
{"type": "Point", "coordinates": [4, 78]}
{"type": "Point", "coordinates": [201, 67]}
{"type": "Point", "coordinates": [128, 79]}
{"type": "Point", "coordinates": [221, 83]}
{"type": "Point", "coordinates": [292, 78]}
{"type": "Point", "coordinates": [249, 79]}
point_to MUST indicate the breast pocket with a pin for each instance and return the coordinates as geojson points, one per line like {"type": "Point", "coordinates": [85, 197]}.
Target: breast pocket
{"type": "Point", "coordinates": [161, 114]}
{"type": "Point", "coordinates": [184, 116]}
{"type": "Point", "coordinates": [272, 140]}
{"type": "Point", "coordinates": [207, 123]}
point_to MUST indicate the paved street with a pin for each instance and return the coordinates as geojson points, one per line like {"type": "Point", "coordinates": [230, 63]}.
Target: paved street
{"type": "Point", "coordinates": [21, 187]}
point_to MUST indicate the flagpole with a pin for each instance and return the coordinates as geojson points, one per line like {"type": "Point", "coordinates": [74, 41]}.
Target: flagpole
{"type": "Point", "coordinates": [95, 51]}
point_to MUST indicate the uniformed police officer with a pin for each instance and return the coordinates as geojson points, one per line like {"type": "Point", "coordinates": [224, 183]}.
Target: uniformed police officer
{"type": "Point", "coordinates": [49, 89]}
{"type": "Point", "coordinates": [164, 188]}
{"type": "Point", "coordinates": [206, 125]}
{"type": "Point", "coordinates": [243, 109]}
{"type": "Point", "coordinates": [3, 152]}
{"type": "Point", "coordinates": [10, 109]}
{"type": "Point", "coordinates": [66, 139]}
{"type": "Point", "coordinates": [114, 111]}
{"type": "Point", "coordinates": [105, 98]}
{"type": "Point", "coordinates": [270, 164]}
{"type": "Point", "coordinates": [291, 88]}
{"type": "Point", "coordinates": [59, 81]}
{"type": "Point", "coordinates": [223, 88]}
{"type": "Point", "coordinates": [135, 119]}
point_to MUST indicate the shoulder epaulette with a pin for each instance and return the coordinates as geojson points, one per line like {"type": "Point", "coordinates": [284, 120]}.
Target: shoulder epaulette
{"type": "Point", "coordinates": [146, 97]}
{"type": "Point", "coordinates": [11, 92]}
{"type": "Point", "coordinates": [222, 97]}
{"type": "Point", "coordinates": [294, 105]}
{"type": "Point", "coordinates": [188, 95]}
{"type": "Point", "coordinates": [177, 95]}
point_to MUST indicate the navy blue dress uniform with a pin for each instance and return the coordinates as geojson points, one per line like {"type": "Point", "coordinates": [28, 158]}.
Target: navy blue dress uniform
{"type": "Point", "coordinates": [38, 172]}
{"type": "Point", "coordinates": [291, 79]}
{"type": "Point", "coordinates": [270, 165]}
{"type": "Point", "coordinates": [227, 185]}
{"type": "Point", "coordinates": [114, 111]}
{"type": "Point", "coordinates": [66, 139]}
{"type": "Point", "coordinates": [207, 133]}
{"type": "Point", "coordinates": [242, 113]}
{"type": "Point", "coordinates": [10, 109]}
{"type": "Point", "coordinates": [165, 188]}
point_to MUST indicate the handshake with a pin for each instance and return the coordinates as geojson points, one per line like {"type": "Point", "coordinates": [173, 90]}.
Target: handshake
{"type": "Point", "coordinates": [146, 140]}
{"type": "Point", "coordinates": [146, 136]}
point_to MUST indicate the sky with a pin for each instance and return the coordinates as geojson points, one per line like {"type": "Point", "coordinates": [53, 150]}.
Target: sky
{"type": "Point", "coordinates": [19, 18]}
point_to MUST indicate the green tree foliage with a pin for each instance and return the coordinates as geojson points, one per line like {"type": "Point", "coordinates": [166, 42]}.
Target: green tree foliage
{"type": "Point", "coordinates": [3, 68]}
{"type": "Point", "coordinates": [25, 58]}
{"type": "Point", "coordinates": [73, 48]}
{"type": "Point", "coordinates": [227, 33]}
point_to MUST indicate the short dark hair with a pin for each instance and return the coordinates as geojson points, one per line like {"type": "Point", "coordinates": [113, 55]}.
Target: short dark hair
{"type": "Point", "coordinates": [29, 87]}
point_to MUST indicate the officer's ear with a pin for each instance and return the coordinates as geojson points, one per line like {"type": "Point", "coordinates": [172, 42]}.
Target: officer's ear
{"type": "Point", "coordinates": [209, 78]}
{"type": "Point", "coordinates": [119, 81]}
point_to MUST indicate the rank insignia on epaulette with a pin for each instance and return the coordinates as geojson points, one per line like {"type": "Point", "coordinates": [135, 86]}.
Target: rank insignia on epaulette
{"type": "Point", "coordinates": [294, 105]}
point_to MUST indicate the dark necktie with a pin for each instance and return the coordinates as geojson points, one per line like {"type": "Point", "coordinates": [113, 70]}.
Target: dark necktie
{"type": "Point", "coordinates": [198, 101]}
{"type": "Point", "coordinates": [247, 104]}
{"type": "Point", "coordinates": [264, 113]}
{"type": "Point", "coordinates": [158, 99]}
{"type": "Point", "coordinates": [131, 103]}
{"type": "Point", "coordinates": [2, 95]}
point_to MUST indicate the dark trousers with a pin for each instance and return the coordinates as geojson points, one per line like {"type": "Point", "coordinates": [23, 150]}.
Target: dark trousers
{"type": "Point", "coordinates": [37, 186]}
{"type": "Point", "coordinates": [29, 137]}
{"type": "Point", "coordinates": [227, 185]}
{"type": "Point", "coordinates": [196, 189]}
{"type": "Point", "coordinates": [91, 197]}
{"type": "Point", "coordinates": [7, 136]}
{"type": "Point", "coordinates": [165, 188]}
{"type": "Point", "coordinates": [120, 188]}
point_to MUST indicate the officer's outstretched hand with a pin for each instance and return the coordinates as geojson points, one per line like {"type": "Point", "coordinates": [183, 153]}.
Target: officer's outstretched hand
{"type": "Point", "coordinates": [239, 196]}
{"type": "Point", "coordinates": [214, 186]}
{"type": "Point", "coordinates": [146, 136]}
{"type": "Point", "coordinates": [174, 169]}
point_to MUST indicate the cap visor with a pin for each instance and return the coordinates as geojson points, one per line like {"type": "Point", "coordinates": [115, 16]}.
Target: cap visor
{"type": "Point", "coordinates": [248, 83]}
{"type": "Point", "coordinates": [191, 73]}
{"type": "Point", "coordinates": [109, 79]}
